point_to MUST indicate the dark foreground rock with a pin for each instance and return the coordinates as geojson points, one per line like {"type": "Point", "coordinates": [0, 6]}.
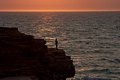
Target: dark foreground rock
{"type": "Point", "coordinates": [22, 55]}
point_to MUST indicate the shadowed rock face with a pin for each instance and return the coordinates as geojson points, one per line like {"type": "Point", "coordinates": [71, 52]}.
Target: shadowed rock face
{"type": "Point", "coordinates": [22, 55]}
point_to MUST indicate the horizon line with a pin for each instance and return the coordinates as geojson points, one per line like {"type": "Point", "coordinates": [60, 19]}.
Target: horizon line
{"type": "Point", "coordinates": [59, 10]}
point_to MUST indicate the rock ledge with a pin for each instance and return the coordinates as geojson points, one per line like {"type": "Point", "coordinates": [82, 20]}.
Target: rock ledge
{"type": "Point", "coordinates": [22, 55]}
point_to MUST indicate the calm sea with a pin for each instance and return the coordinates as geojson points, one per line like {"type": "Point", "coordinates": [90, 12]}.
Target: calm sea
{"type": "Point", "coordinates": [91, 39]}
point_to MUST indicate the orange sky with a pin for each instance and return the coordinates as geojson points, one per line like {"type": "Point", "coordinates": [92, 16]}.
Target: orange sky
{"type": "Point", "coordinates": [47, 5]}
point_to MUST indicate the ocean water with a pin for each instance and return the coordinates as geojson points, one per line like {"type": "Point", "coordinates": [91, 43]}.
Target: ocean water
{"type": "Point", "coordinates": [92, 39]}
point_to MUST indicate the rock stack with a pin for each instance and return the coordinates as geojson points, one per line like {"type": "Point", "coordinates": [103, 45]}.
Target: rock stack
{"type": "Point", "coordinates": [22, 55]}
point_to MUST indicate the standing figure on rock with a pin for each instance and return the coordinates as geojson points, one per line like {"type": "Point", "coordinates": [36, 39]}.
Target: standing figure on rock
{"type": "Point", "coordinates": [56, 43]}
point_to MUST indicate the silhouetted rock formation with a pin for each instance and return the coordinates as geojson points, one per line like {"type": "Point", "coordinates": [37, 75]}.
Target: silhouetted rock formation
{"type": "Point", "coordinates": [22, 55]}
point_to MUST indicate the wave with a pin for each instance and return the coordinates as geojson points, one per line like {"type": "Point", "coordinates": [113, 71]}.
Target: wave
{"type": "Point", "coordinates": [105, 71]}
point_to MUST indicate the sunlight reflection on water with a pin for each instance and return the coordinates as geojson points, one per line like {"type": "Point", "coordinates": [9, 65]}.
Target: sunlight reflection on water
{"type": "Point", "coordinates": [91, 39]}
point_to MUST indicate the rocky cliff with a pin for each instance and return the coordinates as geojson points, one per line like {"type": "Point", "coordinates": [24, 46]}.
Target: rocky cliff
{"type": "Point", "coordinates": [22, 55]}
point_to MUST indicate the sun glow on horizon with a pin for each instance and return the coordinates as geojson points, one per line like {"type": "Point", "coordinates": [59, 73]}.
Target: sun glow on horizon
{"type": "Point", "coordinates": [56, 10]}
{"type": "Point", "coordinates": [58, 5]}
{"type": "Point", "coordinates": [40, 10]}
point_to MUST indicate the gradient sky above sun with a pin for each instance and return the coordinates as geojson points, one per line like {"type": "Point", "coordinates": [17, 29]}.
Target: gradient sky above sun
{"type": "Point", "coordinates": [59, 5]}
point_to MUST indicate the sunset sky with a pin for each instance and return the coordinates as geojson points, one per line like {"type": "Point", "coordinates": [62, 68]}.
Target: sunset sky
{"type": "Point", "coordinates": [59, 5]}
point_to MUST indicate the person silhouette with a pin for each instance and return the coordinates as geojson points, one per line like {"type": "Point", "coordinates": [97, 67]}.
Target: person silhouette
{"type": "Point", "coordinates": [56, 43]}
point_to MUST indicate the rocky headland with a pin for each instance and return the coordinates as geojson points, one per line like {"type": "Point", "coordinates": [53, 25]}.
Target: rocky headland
{"type": "Point", "coordinates": [22, 55]}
